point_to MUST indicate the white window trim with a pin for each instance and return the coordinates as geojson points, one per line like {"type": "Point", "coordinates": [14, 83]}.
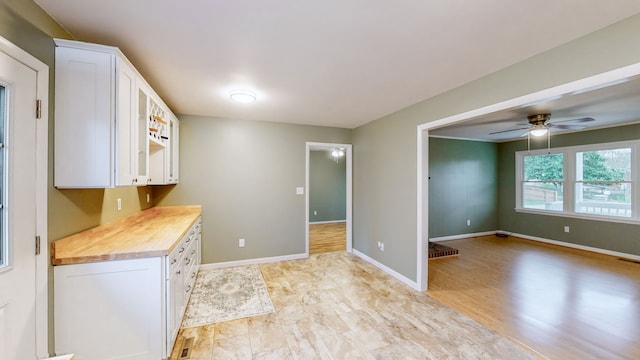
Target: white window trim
{"type": "Point", "coordinates": [569, 153]}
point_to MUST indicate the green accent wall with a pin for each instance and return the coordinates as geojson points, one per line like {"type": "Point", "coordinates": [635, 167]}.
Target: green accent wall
{"type": "Point", "coordinates": [327, 187]}
{"type": "Point", "coordinates": [245, 175]}
{"type": "Point", "coordinates": [463, 185]}
{"type": "Point", "coordinates": [614, 236]}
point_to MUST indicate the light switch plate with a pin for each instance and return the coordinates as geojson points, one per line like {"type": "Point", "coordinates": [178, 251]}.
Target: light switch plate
{"type": "Point", "coordinates": [299, 191]}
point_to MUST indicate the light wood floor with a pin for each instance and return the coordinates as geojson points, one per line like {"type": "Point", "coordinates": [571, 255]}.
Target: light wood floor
{"type": "Point", "coordinates": [327, 237]}
{"type": "Point", "coordinates": [563, 303]}
{"type": "Point", "coordinates": [337, 306]}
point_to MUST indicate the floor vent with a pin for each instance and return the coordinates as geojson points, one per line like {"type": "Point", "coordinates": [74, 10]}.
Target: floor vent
{"type": "Point", "coordinates": [185, 352]}
{"type": "Point", "coordinates": [629, 260]}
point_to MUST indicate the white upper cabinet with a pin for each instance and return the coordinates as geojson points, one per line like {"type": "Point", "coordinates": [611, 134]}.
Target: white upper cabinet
{"type": "Point", "coordinates": [111, 128]}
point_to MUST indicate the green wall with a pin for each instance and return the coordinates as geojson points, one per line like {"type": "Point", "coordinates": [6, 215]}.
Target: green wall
{"type": "Point", "coordinates": [594, 233]}
{"type": "Point", "coordinates": [463, 185]}
{"type": "Point", "coordinates": [327, 187]}
{"type": "Point", "coordinates": [245, 174]}
{"type": "Point", "coordinates": [385, 150]}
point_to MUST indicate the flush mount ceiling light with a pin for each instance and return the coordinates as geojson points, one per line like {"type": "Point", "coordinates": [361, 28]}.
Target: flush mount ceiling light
{"type": "Point", "coordinates": [242, 96]}
{"type": "Point", "coordinates": [337, 153]}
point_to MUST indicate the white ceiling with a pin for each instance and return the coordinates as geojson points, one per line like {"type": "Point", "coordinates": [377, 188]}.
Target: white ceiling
{"type": "Point", "coordinates": [325, 62]}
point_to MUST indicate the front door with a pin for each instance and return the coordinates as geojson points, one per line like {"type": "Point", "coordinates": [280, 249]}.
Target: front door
{"type": "Point", "coordinates": [17, 210]}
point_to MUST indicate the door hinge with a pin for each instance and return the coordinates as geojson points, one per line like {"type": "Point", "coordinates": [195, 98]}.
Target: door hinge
{"type": "Point", "coordinates": [37, 245]}
{"type": "Point", "coordinates": [38, 109]}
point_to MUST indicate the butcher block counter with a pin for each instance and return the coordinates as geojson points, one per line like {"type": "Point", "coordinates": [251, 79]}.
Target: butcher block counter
{"type": "Point", "coordinates": [121, 288]}
{"type": "Point", "coordinates": [148, 233]}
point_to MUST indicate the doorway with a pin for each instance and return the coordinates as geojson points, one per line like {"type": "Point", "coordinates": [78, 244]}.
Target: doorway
{"type": "Point", "coordinates": [576, 87]}
{"type": "Point", "coordinates": [328, 198]}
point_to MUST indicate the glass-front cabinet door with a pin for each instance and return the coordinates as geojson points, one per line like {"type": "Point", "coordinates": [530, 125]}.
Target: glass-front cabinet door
{"type": "Point", "coordinates": [143, 138]}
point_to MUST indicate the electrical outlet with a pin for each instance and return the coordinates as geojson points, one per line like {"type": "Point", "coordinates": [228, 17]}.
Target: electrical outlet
{"type": "Point", "coordinates": [241, 243]}
{"type": "Point", "coordinates": [315, 212]}
{"type": "Point", "coordinates": [468, 222]}
{"type": "Point", "coordinates": [566, 229]}
{"type": "Point", "coordinates": [148, 198]}
{"type": "Point", "coordinates": [381, 246]}
{"type": "Point", "coordinates": [119, 204]}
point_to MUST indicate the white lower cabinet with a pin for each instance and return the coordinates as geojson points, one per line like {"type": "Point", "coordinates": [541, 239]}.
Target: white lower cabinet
{"type": "Point", "coordinates": [125, 309]}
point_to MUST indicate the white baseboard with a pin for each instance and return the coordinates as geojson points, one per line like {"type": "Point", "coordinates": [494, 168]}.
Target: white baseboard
{"type": "Point", "coordinates": [252, 261]}
{"type": "Point", "coordinates": [326, 222]}
{"type": "Point", "coordinates": [575, 246]}
{"type": "Point", "coordinates": [462, 236]}
{"type": "Point", "coordinates": [388, 270]}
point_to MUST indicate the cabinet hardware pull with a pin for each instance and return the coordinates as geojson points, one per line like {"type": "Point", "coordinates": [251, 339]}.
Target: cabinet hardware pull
{"type": "Point", "coordinates": [188, 261]}
{"type": "Point", "coordinates": [181, 251]}
{"type": "Point", "coordinates": [178, 272]}
{"type": "Point", "coordinates": [173, 261]}
{"type": "Point", "coordinates": [188, 288]}
{"type": "Point", "coordinates": [193, 274]}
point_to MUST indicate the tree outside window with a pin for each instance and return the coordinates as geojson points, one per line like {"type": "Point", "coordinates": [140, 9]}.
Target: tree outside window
{"type": "Point", "coordinates": [603, 182]}
{"type": "Point", "coordinates": [543, 182]}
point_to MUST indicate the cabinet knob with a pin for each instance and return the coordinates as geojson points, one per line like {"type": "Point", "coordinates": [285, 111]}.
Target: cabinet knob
{"type": "Point", "coordinates": [178, 272]}
{"type": "Point", "coordinates": [135, 180]}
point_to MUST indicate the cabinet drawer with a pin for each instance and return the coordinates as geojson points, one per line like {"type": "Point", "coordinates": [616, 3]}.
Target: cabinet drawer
{"type": "Point", "coordinates": [176, 257]}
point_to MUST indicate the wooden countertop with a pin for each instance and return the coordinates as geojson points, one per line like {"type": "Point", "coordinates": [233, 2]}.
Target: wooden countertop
{"type": "Point", "coordinates": [148, 233]}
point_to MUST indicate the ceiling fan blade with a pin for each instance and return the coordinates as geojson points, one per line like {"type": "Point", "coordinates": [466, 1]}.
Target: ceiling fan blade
{"type": "Point", "coordinates": [569, 127]}
{"type": "Point", "coordinates": [579, 120]}
{"type": "Point", "coordinates": [506, 131]}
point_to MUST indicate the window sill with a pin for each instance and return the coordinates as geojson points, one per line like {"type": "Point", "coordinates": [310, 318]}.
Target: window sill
{"type": "Point", "coordinates": [580, 216]}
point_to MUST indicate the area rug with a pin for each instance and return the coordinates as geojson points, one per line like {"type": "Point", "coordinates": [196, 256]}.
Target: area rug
{"type": "Point", "coordinates": [437, 250]}
{"type": "Point", "coordinates": [227, 294]}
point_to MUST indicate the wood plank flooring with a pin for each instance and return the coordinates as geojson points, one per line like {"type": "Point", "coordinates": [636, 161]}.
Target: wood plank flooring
{"type": "Point", "coordinates": [563, 303]}
{"type": "Point", "coordinates": [327, 237]}
{"type": "Point", "coordinates": [337, 306]}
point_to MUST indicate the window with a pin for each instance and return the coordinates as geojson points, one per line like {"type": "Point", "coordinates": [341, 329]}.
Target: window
{"type": "Point", "coordinates": [542, 187]}
{"type": "Point", "coordinates": [593, 181]}
{"type": "Point", "coordinates": [603, 182]}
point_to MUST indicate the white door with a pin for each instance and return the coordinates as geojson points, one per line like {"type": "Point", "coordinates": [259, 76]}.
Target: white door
{"type": "Point", "coordinates": [18, 210]}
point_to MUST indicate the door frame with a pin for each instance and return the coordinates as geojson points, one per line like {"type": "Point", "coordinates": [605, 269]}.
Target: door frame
{"type": "Point", "coordinates": [592, 82]}
{"type": "Point", "coordinates": [42, 153]}
{"type": "Point", "coordinates": [313, 146]}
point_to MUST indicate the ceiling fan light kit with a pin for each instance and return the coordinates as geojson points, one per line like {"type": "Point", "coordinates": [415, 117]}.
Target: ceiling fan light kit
{"type": "Point", "coordinates": [538, 131]}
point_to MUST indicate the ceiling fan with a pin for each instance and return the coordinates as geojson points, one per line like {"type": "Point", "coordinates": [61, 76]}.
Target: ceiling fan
{"type": "Point", "coordinates": [539, 125]}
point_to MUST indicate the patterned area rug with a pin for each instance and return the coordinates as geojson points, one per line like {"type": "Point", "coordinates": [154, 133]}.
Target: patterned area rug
{"type": "Point", "coordinates": [438, 250]}
{"type": "Point", "coordinates": [227, 294]}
